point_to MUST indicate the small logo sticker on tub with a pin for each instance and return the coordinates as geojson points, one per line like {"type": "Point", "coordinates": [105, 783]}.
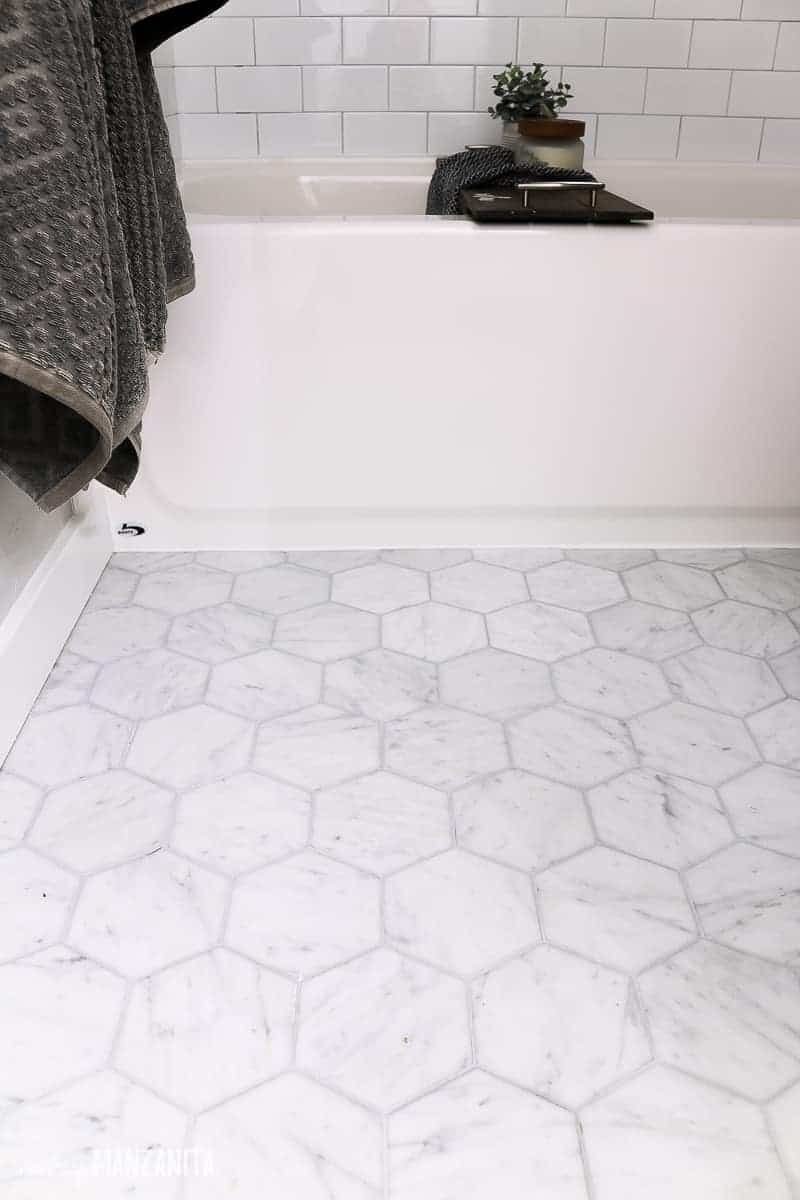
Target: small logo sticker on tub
{"type": "Point", "coordinates": [131, 530]}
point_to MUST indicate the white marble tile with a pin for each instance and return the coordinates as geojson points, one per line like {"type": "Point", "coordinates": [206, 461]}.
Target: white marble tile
{"type": "Point", "coordinates": [614, 908]}
{"type": "Point", "coordinates": [749, 898]}
{"type": "Point", "coordinates": [780, 557]}
{"type": "Point", "coordinates": [331, 561]}
{"type": "Point", "coordinates": [661, 817]}
{"type": "Point", "coordinates": [784, 1117]}
{"type": "Point", "coordinates": [787, 669]}
{"type": "Point", "coordinates": [381, 822]}
{"type": "Point", "coordinates": [149, 684]}
{"type": "Point", "coordinates": [709, 560]}
{"type": "Point", "coordinates": [478, 585]}
{"type": "Point", "coordinates": [729, 1018]}
{"type": "Point", "coordinates": [443, 746]}
{"type": "Point", "coordinates": [190, 747]}
{"type": "Point", "coordinates": [380, 684]}
{"type": "Point", "coordinates": [521, 820]}
{"type": "Point", "coordinates": [519, 558]}
{"type": "Point", "coordinates": [206, 1029]}
{"type": "Point", "coordinates": [673, 585]}
{"type": "Point", "coordinates": [237, 561]}
{"type": "Point", "coordinates": [746, 629]}
{"type": "Point", "coordinates": [570, 745]}
{"type": "Point", "coordinates": [58, 1013]}
{"type": "Point", "coordinates": [294, 1139]}
{"type": "Point", "coordinates": [427, 560]}
{"type": "Point", "coordinates": [241, 822]}
{"type": "Point", "coordinates": [539, 631]}
{"type": "Point", "coordinates": [433, 631]}
{"type": "Point", "coordinates": [98, 822]}
{"type": "Point", "coordinates": [663, 1135]}
{"type": "Point", "coordinates": [112, 632]}
{"type": "Point", "coordinates": [478, 1137]}
{"type": "Point", "coordinates": [777, 731]}
{"type": "Point", "coordinates": [264, 685]}
{"type": "Point", "coordinates": [761, 583]}
{"type": "Point", "coordinates": [69, 682]}
{"type": "Point", "coordinates": [113, 589]}
{"type": "Point", "coordinates": [611, 560]}
{"type": "Point", "coordinates": [35, 900]}
{"type": "Point", "coordinates": [72, 1142]}
{"type": "Point", "coordinates": [608, 681]}
{"type": "Point", "coordinates": [145, 914]}
{"type": "Point", "coordinates": [327, 632]}
{"type": "Point", "coordinates": [380, 587]}
{"type": "Point", "coordinates": [18, 804]}
{"type": "Point", "coordinates": [644, 629]}
{"type": "Point", "coordinates": [317, 746]}
{"type": "Point", "coordinates": [575, 585]}
{"type": "Point", "coordinates": [305, 914]}
{"type": "Point", "coordinates": [685, 740]}
{"type": "Point", "coordinates": [733, 683]}
{"type": "Point", "coordinates": [183, 589]}
{"type": "Point", "coordinates": [495, 683]}
{"type": "Point", "coordinates": [282, 589]}
{"type": "Point", "coordinates": [383, 1029]}
{"type": "Point", "coordinates": [147, 561]}
{"type": "Point", "coordinates": [217, 634]}
{"type": "Point", "coordinates": [561, 1026]}
{"type": "Point", "coordinates": [764, 805]}
{"type": "Point", "coordinates": [460, 912]}
{"type": "Point", "coordinates": [68, 744]}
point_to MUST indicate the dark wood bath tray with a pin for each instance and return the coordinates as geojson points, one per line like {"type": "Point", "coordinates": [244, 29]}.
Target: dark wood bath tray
{"type": "Point", "coordinates": [578, 202]}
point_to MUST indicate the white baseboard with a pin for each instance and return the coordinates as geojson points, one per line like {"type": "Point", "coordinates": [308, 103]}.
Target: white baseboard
{"type": "Point", "coordinates": [33, 633]}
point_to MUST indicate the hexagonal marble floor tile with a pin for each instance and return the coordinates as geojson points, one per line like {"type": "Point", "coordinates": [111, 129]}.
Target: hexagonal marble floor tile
{"type": "Point", "coordinates": [575, 585]}
{"type": "Point", "coordinates": [683, 739]}
{"type": "Point", "coordinates": [765, 584]}
{"type": "Point", "coordinates": [781, 556]}
{"type": "Point", "coordinates": [327, 632]}
{"type": "Point", "coordinates": [784, 1117]}
{"type": "Point", "coordinates": [561, 1026]}
{"type": "Point", "coordinates": [518, 558]}
{"type": "Point", "coordinates": [610, 682]}
{"type": "Point", "coordinates": [479, 586]}
{"type": "Point", "coordinates": [113, 588]}
{"type": "Point", "coordinates": [672, 585]}
{"type": "Point", "coordinates": [749, 898]}
{"type": "Point", "coordinates": [331, 561]}
{"type": "Point", "coordinates": [733, 683]}
{"type": "Point", "coordinates": [381, 822]}
{"type": "Point", "coordinates": [291, 1138]}
{"type": "Point", "coordinates": [183, 589]}
{"type": "Point", "coordinates": [745, 629]}
{"type": "Point", "coordinates": [238, 561]}
{"type": "Point", "coordinates": [520, 819]}
{"type": "Point", "coordinates": [71, 1141]}
{"type": "Point", "coordinates": [495, 684]}
{"type": "Point", "coordinates": [380, 684]}
{"type": "Point", "coordinates": [58, 1013]}
{"type": "Point", "coordinates": [35, 899]}
{"type": "Point", "coordinates": [777, 731]}
{"type": "Point", "coordinates": [317, 746]}
{"type": "Point", "coordinates": [241, 822]}
{"type": "Point", "coordinates": [69, 682]}
{"type": "Point", "coordinates": [570, 745]}
{"type": "Point", "coordinates": [280, 589]}
{"type": "Point", "coordinates": [69, 744]}
{"type": "Point", "coordinates": [203, 1030]}
{"type": "Point", "coordinates": [383, 1029]}
{"type": "Point", "coordinates": [709, 560]}
{"type": "Point", "coordinates": [787, 670]}
{"type": "Point", "coordinates": [726, 1017]}
{"type": "Point", "coordinates": [764, 805]}
{"type": "Point", "coordinates": [193, 746]}
{"type": "Point", "coordinates": [432, 559]}
{"type": "Point", "coordinates": [433, 631]}
{"type": "Point", "coordinates": [150, 560]}
{"type": "Point", "coordinates": [444, 747]}
{"type": "Point", "coordinates": [305, 914]}
{"type": "Point", "coordinates": [663, 1135]}
{"type": "Point", "coordinates": [98, 822]}
{"type": "Point", "coordinates": [265, 685]}
{"type": "Point", "coordinates": [611, 560]}
{"type": "Point", "coordinates": [539, 631]}
{"type": "Point", "coordinates": [379, 587]}
{"type": "Point", "coordinates": [147, 913]}
{"type": "Point", "coordinates": [479, 1137]}
{"type": "Point", "coordinates": [644, 629]}
{"type": "Point", "coordinates": [149, 684]}
{"type": "Point", "coordinates": [615, 909]}
{"type": "Point", "coordinates": [220, 633]}
{"type": "Point", "coordinates": [114, 632]}
{"type": "Point", "coordinates": [669, 820]}
{"type": "Point", "coordinates": [18, 803]}
{"type": "Point", "coordinates": [460, 912]}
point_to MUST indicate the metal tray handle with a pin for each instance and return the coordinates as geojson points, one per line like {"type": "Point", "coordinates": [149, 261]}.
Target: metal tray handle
{"type": "Point", "coordinates": [561, 185]}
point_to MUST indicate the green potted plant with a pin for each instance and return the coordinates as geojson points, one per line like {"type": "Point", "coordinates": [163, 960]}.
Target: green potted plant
{"type": "Point", "coordinates": [529, 104]}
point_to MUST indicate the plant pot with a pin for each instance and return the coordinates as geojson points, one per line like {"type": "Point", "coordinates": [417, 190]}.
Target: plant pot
{"type": "Point", "coordinates": [556, 141]}
{"type": "Point", "coordinates": [511, 135]}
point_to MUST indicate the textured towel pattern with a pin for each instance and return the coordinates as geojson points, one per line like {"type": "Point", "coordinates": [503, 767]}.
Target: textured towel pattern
{"type": "Point", "coordinates": [476, 168]}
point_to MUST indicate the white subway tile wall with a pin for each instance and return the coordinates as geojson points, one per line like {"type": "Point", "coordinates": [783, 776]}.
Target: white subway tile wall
{"type": "Point", "coordinates": [714, 80]}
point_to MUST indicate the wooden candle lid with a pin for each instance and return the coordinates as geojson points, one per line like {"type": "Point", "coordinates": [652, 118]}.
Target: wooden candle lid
{"type": "Point", "coordinates": [551, 127]}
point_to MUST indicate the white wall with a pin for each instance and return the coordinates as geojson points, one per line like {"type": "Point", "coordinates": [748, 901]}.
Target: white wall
{"type": "Point", "coordinates": [26, 534]}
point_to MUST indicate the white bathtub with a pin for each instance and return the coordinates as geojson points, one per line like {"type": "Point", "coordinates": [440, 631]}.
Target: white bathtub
{"type": "Point", "coordinates": [349, 371]}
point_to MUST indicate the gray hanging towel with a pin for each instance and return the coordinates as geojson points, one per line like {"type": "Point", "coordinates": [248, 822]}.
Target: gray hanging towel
{"type": "Point", "coordinates": [480, 167]}
{"type": "Point", "coordinates": [93, 238]}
